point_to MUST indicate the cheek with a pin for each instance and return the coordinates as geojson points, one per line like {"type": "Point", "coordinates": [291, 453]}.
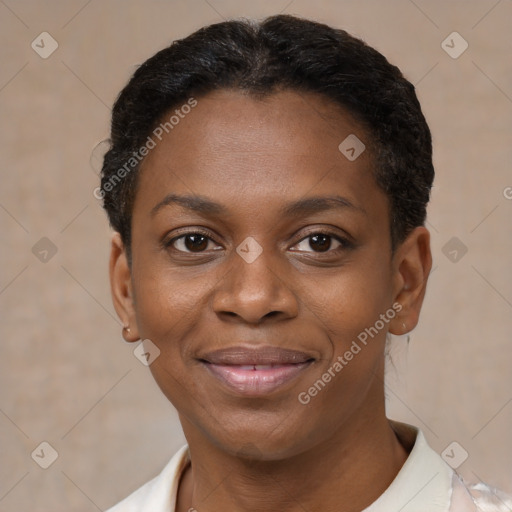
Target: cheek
{"type": "Point", "coordinates": [350, 301]}
{"type": "Point", "coordinates": [347, 308]}
{"type": "Point", "coordinates": [168, 308]}
{"type": "Point", "coordinates": [169, 303]}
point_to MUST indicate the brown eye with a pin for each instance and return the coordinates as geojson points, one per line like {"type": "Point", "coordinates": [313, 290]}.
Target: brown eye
{"type": "Point", "coordinates": [190, 243]}
{"type": "Point", "coordinates": [319, 242]}
{"type": "Point", "coordinates": [195, 242]}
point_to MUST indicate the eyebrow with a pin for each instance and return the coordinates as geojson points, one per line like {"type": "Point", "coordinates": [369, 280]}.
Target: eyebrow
{"type": "Point", "coordinates": [309, 205]}
{"type": "Point", "coordinates": [196, 203]}
{"type": "Point", "coordinates": [315, 204]}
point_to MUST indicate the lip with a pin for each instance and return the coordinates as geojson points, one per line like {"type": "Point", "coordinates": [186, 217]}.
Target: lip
{"type": "Point", "coordinates": [256, 371]}
{"type": "Point", "coordinates": [265, 355]}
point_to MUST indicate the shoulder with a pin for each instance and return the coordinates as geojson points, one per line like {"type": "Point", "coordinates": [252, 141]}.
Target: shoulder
{"type": "Point", "coordinates": [134, 501]}
{"type": "Point", "coordinates": [480, 497]}
{"type": "Point", "coordinates": [448, 490]}
{"type": "Point", "coordinates": [159, 494]}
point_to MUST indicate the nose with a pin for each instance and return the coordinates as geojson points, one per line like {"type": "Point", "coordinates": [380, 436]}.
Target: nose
{"type": "Point", "coordinates": [254, 291]}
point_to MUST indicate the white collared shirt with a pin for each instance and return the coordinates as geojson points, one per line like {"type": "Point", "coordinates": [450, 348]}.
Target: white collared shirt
{"type": "Point", "coordinates": [425, 483]}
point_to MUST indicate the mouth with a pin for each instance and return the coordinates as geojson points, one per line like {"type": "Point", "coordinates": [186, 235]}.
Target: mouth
{"type": "Point", "coordinates": [256, 372]}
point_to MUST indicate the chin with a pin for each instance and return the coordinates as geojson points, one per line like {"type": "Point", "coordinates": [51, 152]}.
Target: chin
{"type": "Point", "coordinates": [264, 444]}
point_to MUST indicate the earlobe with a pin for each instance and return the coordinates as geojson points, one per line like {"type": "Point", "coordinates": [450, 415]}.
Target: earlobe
{"type": "Point", "coordinates": [121, 288]}
{"type": "Point", "coordinates": [412, 265]}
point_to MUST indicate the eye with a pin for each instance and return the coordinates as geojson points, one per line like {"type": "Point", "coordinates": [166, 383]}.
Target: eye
{"type": "Point", "coordinates": [321, 242]}
{"type": "Point", "coordinates": [191, 242]}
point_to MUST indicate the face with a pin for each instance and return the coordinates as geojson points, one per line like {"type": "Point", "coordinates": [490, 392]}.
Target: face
{"type": "Point", "coordinates": [261, 256]}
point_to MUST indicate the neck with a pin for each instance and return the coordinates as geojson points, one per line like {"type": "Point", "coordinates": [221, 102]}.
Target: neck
{"type": "Point", "coordinates": [345, 473]}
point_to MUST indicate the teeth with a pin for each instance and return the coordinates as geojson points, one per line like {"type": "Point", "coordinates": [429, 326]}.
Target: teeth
{"type": "Point", "coordinates": [247, 367]}
{"type": "Point", "coordinates": [255, 366]}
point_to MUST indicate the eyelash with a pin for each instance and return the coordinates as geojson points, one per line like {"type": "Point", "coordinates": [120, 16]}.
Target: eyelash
{"type": "Point", "coordinates": [344, 243]}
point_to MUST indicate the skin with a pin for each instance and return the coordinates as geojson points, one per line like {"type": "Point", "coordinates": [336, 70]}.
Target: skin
{"type": "Point", "coordinates": [252, 156]}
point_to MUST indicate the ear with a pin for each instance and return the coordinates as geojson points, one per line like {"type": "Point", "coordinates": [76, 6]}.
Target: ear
{"type": "Point", "coordinates": [412, 263]}
{"type": "Point", "coordinates": [121, 288]}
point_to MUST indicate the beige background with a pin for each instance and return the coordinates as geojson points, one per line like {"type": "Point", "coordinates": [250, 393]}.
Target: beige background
{"type": "Point", "coordinates": [66, 376]}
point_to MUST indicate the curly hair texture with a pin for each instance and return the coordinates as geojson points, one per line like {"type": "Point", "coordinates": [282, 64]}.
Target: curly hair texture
{"type": "Point", "coordinates": [260, 58]}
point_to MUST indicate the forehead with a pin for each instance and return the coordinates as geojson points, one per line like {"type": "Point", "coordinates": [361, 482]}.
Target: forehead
{"type": "Point", "coordinates": [248, 152]}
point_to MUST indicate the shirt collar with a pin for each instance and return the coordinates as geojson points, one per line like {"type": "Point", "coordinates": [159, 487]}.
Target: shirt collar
{"type": "Point", "coordinates": [423, 483]}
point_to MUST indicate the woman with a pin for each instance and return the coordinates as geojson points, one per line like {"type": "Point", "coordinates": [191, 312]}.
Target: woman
{"type": "Point", "coordinates": [267, 184]}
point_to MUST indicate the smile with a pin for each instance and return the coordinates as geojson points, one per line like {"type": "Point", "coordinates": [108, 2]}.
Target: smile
{"type": "Point", "coordinates": [256, 372]}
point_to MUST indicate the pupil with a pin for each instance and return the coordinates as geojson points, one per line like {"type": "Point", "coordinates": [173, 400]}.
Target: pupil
{"type": "Point", "coordinates": [198, 242]}
{"type": "Point", "coordinates": [322, 242]}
